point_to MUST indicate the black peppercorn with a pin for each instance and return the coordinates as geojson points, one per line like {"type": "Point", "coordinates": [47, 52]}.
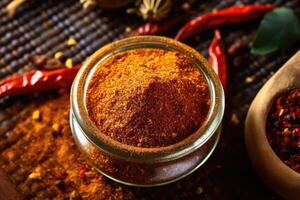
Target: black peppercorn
{"type": "Point", "coordinates": [60, 184]}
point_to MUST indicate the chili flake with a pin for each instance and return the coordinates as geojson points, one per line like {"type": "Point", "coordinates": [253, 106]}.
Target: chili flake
{"type": "Point", "coordinates": [56, 127]}
{"type": "Point", "coordinates": [82, 172]}
{"type": "Point", "coordinates": [34, 175]}
{"type": "Point", "coordinates": [36, 115]}
{"type": "Point", "coordinates": [283, 128]}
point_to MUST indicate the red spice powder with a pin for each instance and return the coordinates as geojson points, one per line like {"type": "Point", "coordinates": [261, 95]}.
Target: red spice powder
{"type": "Point", "coordinates": [148, 97]}
{"type": "Point", "coordinates": [283, 128]}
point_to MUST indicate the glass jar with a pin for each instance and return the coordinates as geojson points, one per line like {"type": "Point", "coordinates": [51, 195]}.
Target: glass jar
{"type": "Point", "coordinates": [138, 166]}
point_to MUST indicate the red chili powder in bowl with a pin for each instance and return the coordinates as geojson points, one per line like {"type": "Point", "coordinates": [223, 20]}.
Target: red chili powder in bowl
{"type": "Point", "coordinates": [148, 97]}
{"type": "Point", "coordinates": [283, 128]}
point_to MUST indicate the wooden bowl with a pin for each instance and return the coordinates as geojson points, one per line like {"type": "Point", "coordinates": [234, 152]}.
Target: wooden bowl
{"type": "Point", "coordinates": [276, 174]}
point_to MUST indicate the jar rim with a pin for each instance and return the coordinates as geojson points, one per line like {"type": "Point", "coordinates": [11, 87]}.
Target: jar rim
{"type": "Point", "coordinates": [144, 154]}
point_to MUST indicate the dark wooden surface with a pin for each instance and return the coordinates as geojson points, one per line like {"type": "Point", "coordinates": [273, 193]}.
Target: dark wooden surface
{"type": "Point", "coordinates": [42, 27]}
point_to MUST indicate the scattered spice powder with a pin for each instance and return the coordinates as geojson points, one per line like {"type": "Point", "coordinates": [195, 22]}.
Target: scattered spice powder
{"type": "Point", "coordinates": [46, 167]}
{"type": "Point", "coordinates": [148, 97]}
{"type": "Point", "coordinates": [283, 128]}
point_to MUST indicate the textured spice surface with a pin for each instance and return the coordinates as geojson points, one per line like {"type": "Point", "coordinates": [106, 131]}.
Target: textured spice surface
{"type": "Point", "coordinates": [148, 97]}
{"type": "Point", "coordinates": [283, 128]}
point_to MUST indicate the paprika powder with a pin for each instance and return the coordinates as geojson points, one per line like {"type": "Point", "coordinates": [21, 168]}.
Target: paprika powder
{"type": "Point", "coordinates": [148, 97]}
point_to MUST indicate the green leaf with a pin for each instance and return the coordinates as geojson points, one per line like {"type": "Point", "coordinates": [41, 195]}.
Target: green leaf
{"type": "Point", "coordinates": [279, 29]}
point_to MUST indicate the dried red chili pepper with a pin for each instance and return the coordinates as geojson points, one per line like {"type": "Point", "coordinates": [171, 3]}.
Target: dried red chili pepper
{"type": "Point", "coordinates": [231, 15]}
{"type": "Point", "coordinates": [217, 58]}
{"type": "Point", "coordinates": [158, 28]}
{"type": "Point", "coordinates": [39, 80]}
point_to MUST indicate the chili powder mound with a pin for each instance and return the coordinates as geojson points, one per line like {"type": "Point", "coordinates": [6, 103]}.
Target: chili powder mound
{"type": "Point", "coordinates": [148, 97]}
{"type": "Point", "coordinates": [283, 128]}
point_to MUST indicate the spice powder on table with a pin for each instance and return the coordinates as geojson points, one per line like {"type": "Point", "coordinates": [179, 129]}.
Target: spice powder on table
{"type": "Point", "coordinates": [44, 162]}
{"type": "Point", "coordinates": [148, 97]}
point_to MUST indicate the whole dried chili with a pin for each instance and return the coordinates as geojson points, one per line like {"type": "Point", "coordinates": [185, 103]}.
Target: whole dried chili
{"type": "Point", "coordinates": [36, 81]}
{"type": "Point", "coordinates": [152, 28]}
{"type": "Point", "coordinates": [217, 58]}
{"type": "Point", "coordinates": [231, 15]}
{"type": "Point", "coordinates": [283, 128]}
